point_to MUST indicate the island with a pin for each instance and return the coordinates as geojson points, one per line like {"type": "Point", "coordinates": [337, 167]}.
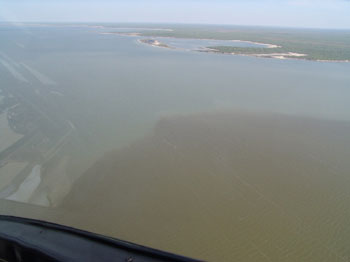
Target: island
{"type": "Point", "coordinates": [282, 43]}
{"type": "Point", "coordinates": [154, 42]}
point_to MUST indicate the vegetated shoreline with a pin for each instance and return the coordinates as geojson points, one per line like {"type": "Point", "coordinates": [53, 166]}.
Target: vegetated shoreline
{"type": "Point", "coordinates": [142, 33]}
{"type": "Point", "coordinates": [282, 56]}
{"type": "Point", "coordinates": [172, 37]}
{"type": "Point", "coordinates": [154, 42]}
{"type": "Point", "coordinates": [209, 39]}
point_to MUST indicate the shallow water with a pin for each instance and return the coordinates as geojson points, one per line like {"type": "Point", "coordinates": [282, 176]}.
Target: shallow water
{"type": "Point", "coordinates": [189, 171]}
{"type": "Point", "coordinates": [227, 186]}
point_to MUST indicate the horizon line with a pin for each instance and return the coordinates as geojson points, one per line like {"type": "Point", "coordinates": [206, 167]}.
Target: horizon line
{"type": "Point", "coordinates": [176, 23]}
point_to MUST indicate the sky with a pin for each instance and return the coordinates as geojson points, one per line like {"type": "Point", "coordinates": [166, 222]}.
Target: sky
{"type": "Point", "coordinates": [283, 13]}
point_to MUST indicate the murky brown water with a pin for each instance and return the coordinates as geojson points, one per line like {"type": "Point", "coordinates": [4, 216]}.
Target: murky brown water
{"type": "Point", "coordinates": [218, 186]}
{"type": "Point", "coordinates": [226, 187]}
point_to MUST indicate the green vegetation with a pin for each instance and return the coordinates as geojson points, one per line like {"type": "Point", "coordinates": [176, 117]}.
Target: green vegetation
{"type": "Point", "coordinates": [254, 51]}
{"type": "Point", "coordinates": [317, 44]}
{"type": "Point", "coordinates": [248, 50]}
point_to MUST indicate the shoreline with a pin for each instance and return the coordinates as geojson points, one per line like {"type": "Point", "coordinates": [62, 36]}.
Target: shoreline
{"type": "Point", "coordinates": [213, 39]}
{"type": "Point", "coordinates": [281, 56]}
{"type": "Point", "coordinates": [208, 39]}
{"type": "Point", "coordinates": [155, 43]}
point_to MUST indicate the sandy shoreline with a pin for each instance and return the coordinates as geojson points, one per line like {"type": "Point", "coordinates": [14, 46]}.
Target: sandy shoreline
{"type": "Point", "coordinates": [212, 39]}
{"type": "Point", "coordinates": [333, 61]}
{"type": "Point", "coordinates": [282, 56]}
{"type": "Point", "coordinates": [286, 56]}
{"type": "Point", "coordinates": [289, 55]}
{"type": "Point", "coordinates": [155, 43]}
{"type": "Point", "coordinates": [207, 39]}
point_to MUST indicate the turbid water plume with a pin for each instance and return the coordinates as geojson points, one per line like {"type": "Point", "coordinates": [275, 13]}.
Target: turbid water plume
{"type": "Point", "coordinates": [261, 187]}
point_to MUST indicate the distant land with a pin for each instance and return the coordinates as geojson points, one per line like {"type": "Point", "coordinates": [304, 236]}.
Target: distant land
{"type": "Point", "coordinates": [324, 45]}
{"type": "Point", "coordinates": [309, 44]}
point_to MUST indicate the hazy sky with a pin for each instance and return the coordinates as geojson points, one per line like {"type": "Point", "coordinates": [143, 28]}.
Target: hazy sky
{"type": "Point", "coordinates": [292, 13]}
